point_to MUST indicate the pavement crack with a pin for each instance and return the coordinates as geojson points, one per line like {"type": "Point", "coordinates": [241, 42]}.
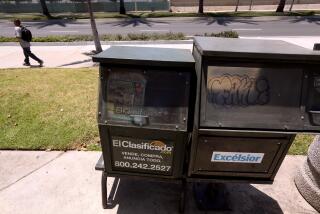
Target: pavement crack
{"type": "Point", "coordinates": [31, 172]}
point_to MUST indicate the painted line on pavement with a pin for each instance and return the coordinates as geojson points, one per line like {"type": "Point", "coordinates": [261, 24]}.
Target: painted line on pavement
{"type": "Point", "coordinates": [291, 37]}
{"type": "Point", "coordinates": [155, 30]}
{"type": "Point", "coordinates": [237, 24]}
{"type": "Point", "coordinates": [161, 24]}
{"type": "Point", "coordinates": [77, 25]}
{"type": "Point", "coordinates": [248, 29]}
{"type": "Point", "coordinates": [64, 31]}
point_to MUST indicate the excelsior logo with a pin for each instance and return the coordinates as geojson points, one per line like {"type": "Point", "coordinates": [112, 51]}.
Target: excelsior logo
{"type": "Point", "coordinates": [154, 145]}
{"type": "Point", "coordinates": [237, 157]}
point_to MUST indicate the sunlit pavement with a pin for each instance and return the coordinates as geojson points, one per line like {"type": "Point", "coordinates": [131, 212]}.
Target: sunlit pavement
{"type": "Point", "coordinates": [76, 55]}
{"type": "Point", "coordinates": [66, 182]}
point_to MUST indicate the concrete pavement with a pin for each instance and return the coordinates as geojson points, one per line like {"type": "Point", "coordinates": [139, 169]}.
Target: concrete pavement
{"type": "Point", "coordinates": [66, 56]}
{"type": "Point", "coordinates": [70, 55]}
{"type": "Point", "coordinates": [295, 7]}
{"type": "Point", "coordinates": [66, 182]}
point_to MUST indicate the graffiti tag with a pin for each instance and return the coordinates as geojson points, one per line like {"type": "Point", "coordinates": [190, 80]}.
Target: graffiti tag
{"type": "Point", "coordinates": [238, 90]}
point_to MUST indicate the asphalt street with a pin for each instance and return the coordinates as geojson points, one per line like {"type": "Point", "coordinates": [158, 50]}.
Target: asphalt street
{"type": "Point", "coordinates": [245, 26]}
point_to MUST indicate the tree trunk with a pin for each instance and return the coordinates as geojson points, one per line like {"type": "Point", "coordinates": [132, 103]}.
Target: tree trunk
{"type": "Point", "coordinates": [291, 5]}
{"type": "Point", "coordinates": [95, 34]}
{"type": "Point", "coordinates": [251, 3]}
{"type": "Point", "coordinates": [122, 8]}
{"type": "Point", "coordinates": [200, 10]}
{"type": "Point", "coordinates": [281, 5]}
{"type": "Point", "coordinates": [45, 10]}
{"type": "Point", "coordinates": [237, 6]}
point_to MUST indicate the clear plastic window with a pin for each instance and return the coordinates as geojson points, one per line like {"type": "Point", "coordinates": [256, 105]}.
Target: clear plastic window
{"type": "Point", "coordinates": [251, 97]}
{"type": "Point", "coordinates": [147, 98]}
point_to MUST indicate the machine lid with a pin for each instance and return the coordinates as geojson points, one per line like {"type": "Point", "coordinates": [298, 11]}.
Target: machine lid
{"type": "Point", "coordinates": [254, 49]}
{"type": "Point", "coordinates": [167, 57]}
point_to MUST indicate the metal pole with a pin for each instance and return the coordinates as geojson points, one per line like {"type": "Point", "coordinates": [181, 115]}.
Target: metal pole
{"type": "Point", "coordinates": [135, 5]}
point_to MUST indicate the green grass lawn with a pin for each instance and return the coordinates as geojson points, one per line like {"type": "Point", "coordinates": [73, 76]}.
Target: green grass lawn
{"type": "Point", "coordinates": [105, 37]}
{"type": "Point", "coordinates": [119, 37]}
{"type": "Point", "coordinates": [55, 109]}
{"type": "Point", "coordinates": [301, 144]}
{"type": "Point", "coordinates": [48, 108]}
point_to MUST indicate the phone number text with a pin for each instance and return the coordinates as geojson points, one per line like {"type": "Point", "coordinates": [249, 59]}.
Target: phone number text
{"type": "Point", "coordinates": [155, 167]}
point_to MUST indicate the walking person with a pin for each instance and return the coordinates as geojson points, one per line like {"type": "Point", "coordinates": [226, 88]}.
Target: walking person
{"type": "Point", "coordinates": [25, 43]}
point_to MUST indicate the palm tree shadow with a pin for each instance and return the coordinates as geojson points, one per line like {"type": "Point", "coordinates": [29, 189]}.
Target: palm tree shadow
{"type": "Point", "coordinates": [224, 21]}
{"type": "Point", "coordinates": [137, 22]}
{"type": "Point", "coordinates": [52, 22]}
{"type": "Point", "coordinates": [308, 19]}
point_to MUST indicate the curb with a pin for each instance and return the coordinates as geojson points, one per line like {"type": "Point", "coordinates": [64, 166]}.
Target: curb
{"type": "Point", "coordinates": [84, 43]}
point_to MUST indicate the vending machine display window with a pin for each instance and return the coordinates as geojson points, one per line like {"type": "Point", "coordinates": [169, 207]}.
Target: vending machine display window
{"type": "Point", "coordinates": [147, 98]}
{"type": "Point", "coordinates": [251, 97]}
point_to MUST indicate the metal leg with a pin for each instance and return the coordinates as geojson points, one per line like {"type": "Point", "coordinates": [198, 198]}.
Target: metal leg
{"type": "Point", "coordinates": [183, 196]}
{"type": "Point", "coordinates": [104, 190]}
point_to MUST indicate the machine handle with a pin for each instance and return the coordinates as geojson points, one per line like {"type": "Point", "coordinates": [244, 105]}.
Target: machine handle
{"type": "Point", "coordinates": [140, 120]}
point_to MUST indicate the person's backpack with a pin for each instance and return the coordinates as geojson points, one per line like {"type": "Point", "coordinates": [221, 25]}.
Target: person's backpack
{"type": "Point", "coordinates": [26, 34]}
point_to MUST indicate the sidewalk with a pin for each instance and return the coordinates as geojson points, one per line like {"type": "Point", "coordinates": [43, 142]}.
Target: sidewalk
{"type": "Point", "coordinates": [66, 182]}
{"type": "Point", "coordinates": [246, 8]}
{"type": "Point", "coordinates": [67, 56]}
{"type": "Point", "coordinates": [70, 55]}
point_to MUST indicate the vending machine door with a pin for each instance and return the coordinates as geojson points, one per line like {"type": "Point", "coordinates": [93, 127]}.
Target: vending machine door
{"type": "Point", "coordinates": [238, 155]}
{"type": "Point", "coordinates": [149, 98]}
{"type": "Point", "coordinates": [251, 97]}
